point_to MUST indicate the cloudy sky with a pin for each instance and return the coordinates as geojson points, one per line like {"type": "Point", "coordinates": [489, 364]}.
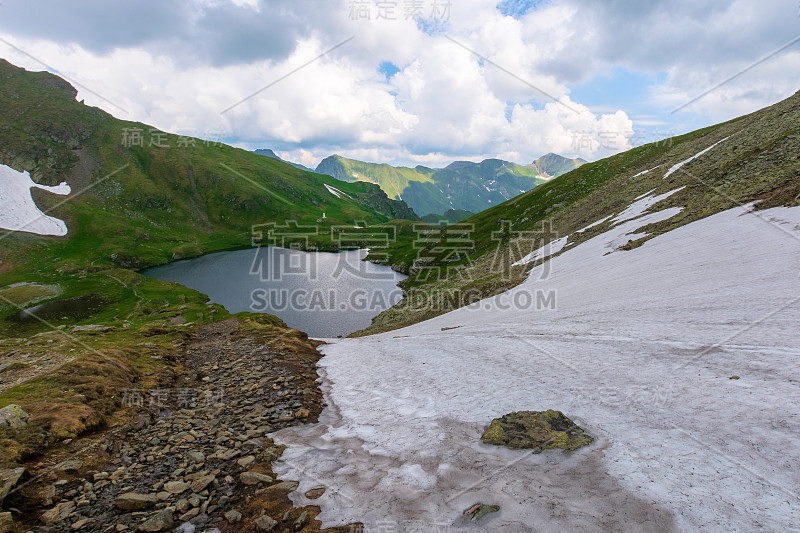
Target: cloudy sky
{"type": "Point", "coordinates": [416, 81]}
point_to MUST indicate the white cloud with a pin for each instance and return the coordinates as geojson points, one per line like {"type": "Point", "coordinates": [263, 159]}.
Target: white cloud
{"type": "Point", "coordinates": [444, 103]}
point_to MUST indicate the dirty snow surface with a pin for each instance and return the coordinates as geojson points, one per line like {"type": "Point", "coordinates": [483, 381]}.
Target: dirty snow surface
{"type": "Point", "coordinates": [18, 211]}
{"type": "Point", "coordinates": [639, 351]}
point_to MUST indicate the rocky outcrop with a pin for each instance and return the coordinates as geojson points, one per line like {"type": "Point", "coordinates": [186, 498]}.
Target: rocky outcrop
{"type": "Point", "coordinates": [536, 430]}
{"type": "Point", "coordinates": [13, 416]}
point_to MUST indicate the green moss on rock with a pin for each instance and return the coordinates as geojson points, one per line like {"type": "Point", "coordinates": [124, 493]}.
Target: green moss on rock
{"type": "Point", "coordinates": [538, 430]}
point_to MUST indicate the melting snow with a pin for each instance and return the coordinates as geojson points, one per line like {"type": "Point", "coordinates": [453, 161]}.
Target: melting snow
{"type": "Point", "coordinates": [635, 210]}
{"type": "Point", "coordinates": [18, 211]}
{"type": "Point", "coordinates": [547, 250]}
{"type": "Point", "coordinates": [638, 351]}
{"type": "Point", "coordinates": [336, 192]}
{"type": "Point", "coordinates": [642, 204]}
{"type": "Point", "coordinates": [642, 173]}
{"type": "Point", "coordinates": [593, 224]}
{"type": "Point", "coordinates": [674, 168]}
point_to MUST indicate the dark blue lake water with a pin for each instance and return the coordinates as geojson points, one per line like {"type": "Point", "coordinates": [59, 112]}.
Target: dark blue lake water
{"type": "Point", "coordinates": [324, 294]}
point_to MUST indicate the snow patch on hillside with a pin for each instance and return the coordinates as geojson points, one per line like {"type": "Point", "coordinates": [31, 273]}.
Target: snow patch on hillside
{"type": "Point", "coordinates": [336, 192]}
{"type": "Point", "coordinates": [675, 168]}
{"type": "Point", "coordinates": [18, 211]}
{"type": "Point", "coordinates": [642, 173]}
{"type": "Point", "coordinates": [638, 351]}
{"type": "Point", "coordinates": [632, 212]}
{"type": "Point", "coordinates": [642, 204]}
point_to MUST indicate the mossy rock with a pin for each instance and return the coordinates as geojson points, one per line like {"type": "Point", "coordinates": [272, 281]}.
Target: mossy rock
{"type": "Point", "coordinates": [537, 430]}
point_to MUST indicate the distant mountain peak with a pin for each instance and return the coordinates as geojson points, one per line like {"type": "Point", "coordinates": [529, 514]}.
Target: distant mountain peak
{"type": "Point", "coordinates": [268, 152]}
{"type": "Point", "coordinates": [552, 165]}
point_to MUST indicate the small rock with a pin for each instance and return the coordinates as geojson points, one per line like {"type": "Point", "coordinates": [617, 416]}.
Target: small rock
{"type": "Point", "coordinates": [176, 487]}
{"type": "Point", "coordinates": [734, 377]}
{"type": "Point", "coordinates": [182, 505]}
{"type": "Point", "coordinates": [133, 501]}
{"type": "Point", "coordinates": [254, 478]}
{"type": "Point", "coordinates": [194, 500]}
{"type": "Point", "coordinates": [191, 513]}
{"type": "Point", "coordinates": [47, 494]}
{"type": "Point", "coordinates": [244, 462]}
{"type": "Point", "coordinates": [196, 457]}
{"type": "Point", "coordinates": [80, 524]}
{"type": "Point", "coordinates": [265, 523]}
{"type": "Point", "coordinates": [233, 516]}
{"type": "Point", "coordinates": [302, 413]}
{"type": "Point", "coordinates": [315, 493]}
{"type": "Point", "coordinates": [301, 521]}
{"type": "Point", "coordinates": [480, 510]}
{"type": "Point", "coordinates": [161, 521]}
{"type": "Point", "coordinates": [201, 483]}
{"type": "Point", "coordinates": [286, 485]}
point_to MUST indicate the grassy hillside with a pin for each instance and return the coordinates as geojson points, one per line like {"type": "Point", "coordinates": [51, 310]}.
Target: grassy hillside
{"type": "Point", "coordinates": [142, 197]}
{"type": "Point", "coordinates": [758, 160]}
{"type": "Point", "coordinates": [451, 216]}
{"type": "Point", "coordinates": [462, 185]}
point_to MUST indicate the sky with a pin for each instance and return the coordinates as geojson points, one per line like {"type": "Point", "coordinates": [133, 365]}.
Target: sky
{"type": "Point", "coordinates": [416, 81]}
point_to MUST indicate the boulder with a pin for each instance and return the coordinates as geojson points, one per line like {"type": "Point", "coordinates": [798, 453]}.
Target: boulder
{"type": "Point", "coordinates": [536, 430]}
{"type": "Point", "coordinates": [8, 479]}
{"type": "Point", "coordinates": [13, 416]}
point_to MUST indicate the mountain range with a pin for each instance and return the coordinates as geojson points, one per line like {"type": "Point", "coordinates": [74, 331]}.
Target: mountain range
{"type": "Point", "coordinates": [461, 185]}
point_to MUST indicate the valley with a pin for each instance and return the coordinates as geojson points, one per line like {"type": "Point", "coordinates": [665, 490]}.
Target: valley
{"type": "Point", "coordinates": [408, 332]}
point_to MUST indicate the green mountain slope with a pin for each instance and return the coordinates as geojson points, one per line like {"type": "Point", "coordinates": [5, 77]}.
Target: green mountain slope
{"type": "Point", "coordinates": [451, 216]}
{"type": "Point", "coordinates": [755, 158]}
{"type": "Point", "coordinates": [462, 185]}
{"type": "Point", "coordinates": [143, 197]}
